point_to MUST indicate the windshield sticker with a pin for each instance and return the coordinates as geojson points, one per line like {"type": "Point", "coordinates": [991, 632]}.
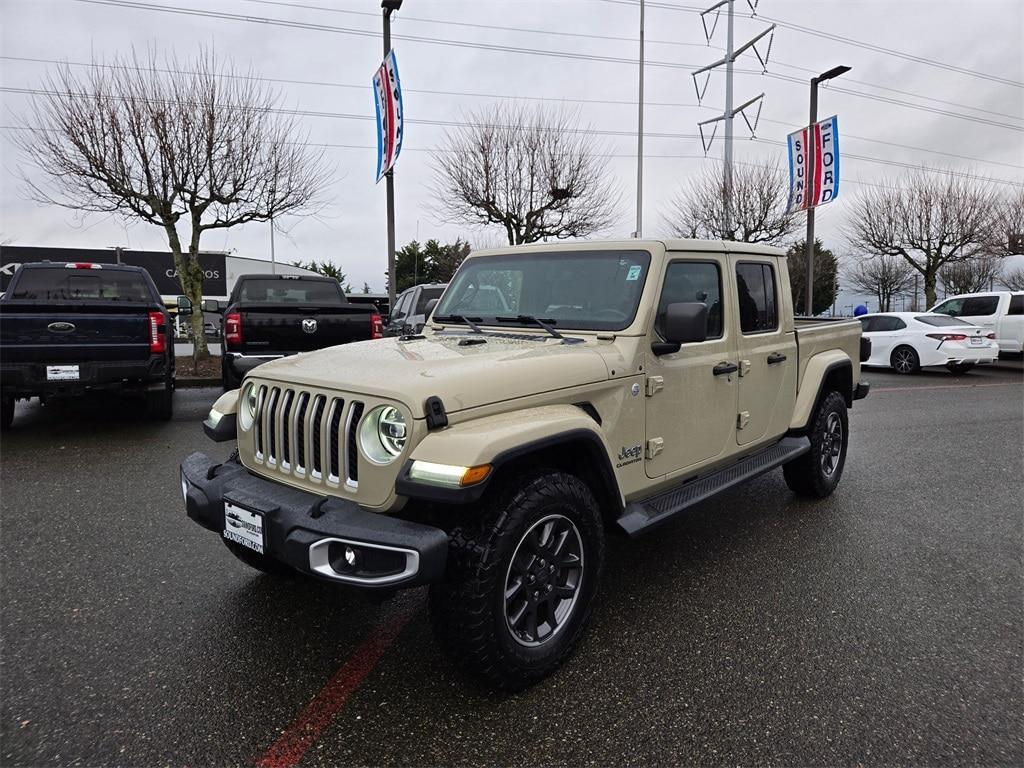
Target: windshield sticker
{"type": "Point", "coordinates": [634, 272]}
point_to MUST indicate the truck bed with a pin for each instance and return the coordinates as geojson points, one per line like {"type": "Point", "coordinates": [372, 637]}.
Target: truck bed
{"type": "Point", "coordinates": [816, 334]}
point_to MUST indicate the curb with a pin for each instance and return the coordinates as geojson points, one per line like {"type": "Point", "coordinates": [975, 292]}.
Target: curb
{"type": "Point", "coordinates": [180, 383]}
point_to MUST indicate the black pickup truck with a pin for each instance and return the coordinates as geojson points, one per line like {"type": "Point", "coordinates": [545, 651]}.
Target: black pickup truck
{"type": "Point", "coordinates": [272, 316]}
{"type": "Point", "coordinates": [66, 329]}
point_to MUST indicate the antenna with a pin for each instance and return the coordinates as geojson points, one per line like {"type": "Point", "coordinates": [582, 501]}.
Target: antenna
{"type": "Point", "coordinates": [731, 54]}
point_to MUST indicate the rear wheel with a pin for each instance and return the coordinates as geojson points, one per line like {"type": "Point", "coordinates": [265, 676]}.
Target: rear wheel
{"type": "Point", "coordinates": [905, 360]}
{"type": "Point", "coordinates": [520, 580]}
{"type": "Point", "coordinates": [160, 404]}
{"type": "Point", "coordinates": [816, 474]}
{"type": "Point", "coordinates": [960, 367]}
{"type": "Point", "coordinates": [7, 412]}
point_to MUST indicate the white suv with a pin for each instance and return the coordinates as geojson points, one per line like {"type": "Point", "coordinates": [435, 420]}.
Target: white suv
{"type": "Point", "coordinates": [1001, 311]}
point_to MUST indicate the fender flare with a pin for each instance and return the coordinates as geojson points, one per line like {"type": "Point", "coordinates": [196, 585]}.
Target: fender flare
{"type": "Point", "coordinates": [821, 368]}
{"type": "Point", "coordinates": [501, 440]}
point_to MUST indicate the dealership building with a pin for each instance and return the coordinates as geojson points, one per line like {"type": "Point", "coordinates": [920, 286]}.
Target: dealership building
{"type": "Point", "coordinates": [221, 270]}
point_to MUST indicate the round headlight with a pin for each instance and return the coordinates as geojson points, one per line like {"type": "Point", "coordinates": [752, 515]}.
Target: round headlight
{"type": "Point", "coordinates": [247, 408]}
{"type": "Point", "coordinates": [383, 434]}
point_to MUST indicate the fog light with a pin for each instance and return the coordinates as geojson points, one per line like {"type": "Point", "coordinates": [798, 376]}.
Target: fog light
{"type": "Point", "coordinates": [350, 556]}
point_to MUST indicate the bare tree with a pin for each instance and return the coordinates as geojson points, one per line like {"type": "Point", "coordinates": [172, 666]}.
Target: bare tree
{"type": "Point", "coordinates": [925, 219]}
{"type": "Point", "coordinates": [887, 277]}
{"type": "Point", "coordinates": [1013, 279]}
{"type": "Point", "coordinates": [1008, 221]}
{"type": "Point", "coordinates": [759, 199]}
{"type": "Point", "coordinates": [971, 275]}
{"type": "Point", "coordinates": [534, 172]}
{"type": "Point", "coordinates": [187, 147]}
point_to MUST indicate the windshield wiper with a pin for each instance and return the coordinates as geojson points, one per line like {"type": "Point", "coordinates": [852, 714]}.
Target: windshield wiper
{"type": "Point", "coordinates": [543, 323]}
{"type": "Point", "coordinates": [460, 319]}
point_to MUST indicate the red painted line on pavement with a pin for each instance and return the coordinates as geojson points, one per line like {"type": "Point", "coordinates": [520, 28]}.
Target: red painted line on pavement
{"type": "Point", "coordinates": [303, 732]}
{"type": "Point", "coordinates": [943, 386]}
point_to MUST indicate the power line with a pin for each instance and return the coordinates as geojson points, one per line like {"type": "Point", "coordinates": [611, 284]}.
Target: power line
{"type": "Point", "coordinates": [621, 102]}
{"type": "Point", "coordinates": [505, 49]}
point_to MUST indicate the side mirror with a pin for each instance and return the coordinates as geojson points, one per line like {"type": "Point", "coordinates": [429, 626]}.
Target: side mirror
{"type": "Point", "coordinates": [430, 307]}
{"type": "Point", "coordinates": [184, 306]}
{"type": "Point", "coordinates": [685, 323]}
{"type": "Point", "coordinates": [210, 305]}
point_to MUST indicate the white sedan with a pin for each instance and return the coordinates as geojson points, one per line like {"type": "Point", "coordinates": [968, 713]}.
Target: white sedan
{"type": "Point", "coordinates": [909, 341]}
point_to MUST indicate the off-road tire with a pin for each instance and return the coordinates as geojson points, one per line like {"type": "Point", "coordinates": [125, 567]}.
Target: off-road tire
{"type": "Point", "coordinates": [960, 367]}
{"type": "Point", "coordinates": [160, 404]}
{"type": "Point", "coordinates": [6, 413]}
{"type": "Point", "coordinates": [905, 360]}
{"type": "Point", "coordinates": [807, 475]}
{"type": "Point", "coordinates": [260, 562]}
{"type": "Point", "coordinates": [468, 607]}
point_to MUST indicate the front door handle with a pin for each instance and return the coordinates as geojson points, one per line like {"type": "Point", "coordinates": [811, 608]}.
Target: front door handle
{"type": "Point", "coordinates": [776, 357]}
{"type": "Point", "coordinates": [725, 368]}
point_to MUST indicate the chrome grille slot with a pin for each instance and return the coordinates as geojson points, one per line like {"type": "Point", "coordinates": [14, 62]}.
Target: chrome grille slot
{"type": "Point", "coordinates": [273, 425]}
{"type": "Point", "coordinates": [333, 440]}
{"type": "Point", "coordinates": [355, 413]}
{"type": "Point", "coordinates": [258, 425]}
{"type": "Point", "coordinates": [287, 429]}
{"type": "Point", "coordinates": [300, 433]}
{"type": "Point", "coordinates": [316, 417]}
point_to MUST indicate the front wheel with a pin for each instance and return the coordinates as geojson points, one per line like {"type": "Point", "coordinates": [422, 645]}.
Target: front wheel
{"type": "Point", "coordinates": [905, 360]}
{"type": "Point", "coordinates": [520, 581]}
{"type": "Point", "coordinates": [816, 474]}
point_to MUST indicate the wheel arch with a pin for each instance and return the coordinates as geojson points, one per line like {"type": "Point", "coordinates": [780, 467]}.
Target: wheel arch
{"type": "Point", "coordinates": [834, 374]}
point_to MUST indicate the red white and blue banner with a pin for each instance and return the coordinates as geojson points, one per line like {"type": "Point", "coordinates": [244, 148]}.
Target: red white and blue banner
{"type": "Point", "coordinates": [387, 92]}
{"type": "Point", "coordinates": [814, 165]}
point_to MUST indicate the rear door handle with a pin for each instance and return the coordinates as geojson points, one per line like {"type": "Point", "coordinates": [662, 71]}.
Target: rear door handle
{"type": "Point", "coordinates": [725, 368]}
{"type": "Point", "coordinates": [776, 357]}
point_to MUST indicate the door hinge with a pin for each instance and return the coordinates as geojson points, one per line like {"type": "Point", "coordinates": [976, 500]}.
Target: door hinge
{"type": "Point", "coordinates": [654, 385]}
{"type": "Point", "coordinates": [654, 446]}
{"type": "Point", "coordinates": [744, 367]}
{"type": "Point", "coordinates": [742, 419]}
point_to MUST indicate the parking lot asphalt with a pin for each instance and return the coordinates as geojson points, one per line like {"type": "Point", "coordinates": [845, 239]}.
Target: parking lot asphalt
{"type": "Point", "coordinates": [882, 625]}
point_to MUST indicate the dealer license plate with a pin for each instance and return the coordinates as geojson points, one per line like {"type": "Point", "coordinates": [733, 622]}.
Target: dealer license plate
{"type": "Point", "coordinates": [62, 373]}
{"type": "Point", "coordinates": [977, 341]}
{"type": "Point", "coordinates": [243, 527]}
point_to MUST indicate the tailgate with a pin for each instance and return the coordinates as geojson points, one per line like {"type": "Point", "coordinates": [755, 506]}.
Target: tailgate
{"type": "Point", "coordinates": [73, 336]}
{"type": "Point", "coordinates": [298, 329]}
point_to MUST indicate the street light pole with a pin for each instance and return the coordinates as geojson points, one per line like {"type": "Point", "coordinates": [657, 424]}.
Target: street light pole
{"type": "Point", "coordinates": [389, 7]}
{"type": "Point", "coordinates": [809, 240]}
{"type": "Point", "coordinates": [640, 137]}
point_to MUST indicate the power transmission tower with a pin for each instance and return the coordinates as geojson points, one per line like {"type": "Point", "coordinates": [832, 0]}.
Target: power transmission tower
{"type": "Point", "coordinates": [731, 54]}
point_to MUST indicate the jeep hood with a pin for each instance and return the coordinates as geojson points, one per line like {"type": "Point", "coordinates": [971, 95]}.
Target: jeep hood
{"type": "Point", "coordinates": [463, 375]}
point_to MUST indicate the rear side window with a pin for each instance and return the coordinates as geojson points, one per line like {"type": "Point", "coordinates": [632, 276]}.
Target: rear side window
{"type": "Point", "coordinates": [1016, 305]}
{"type": "Point", "coordinates": [755, 284]}
{"type": "Point", "coordinates": [970, 306]}
{"type": "Point", "coordinates": [885, 323]}
{"type": "Point", "coordinates": [426, 294]}
{"type": "Point", "coordinates": [271, 291]}
{"type": "Point", "coordinates": [82, 285]}
{"type": "Point", "coordinates": [692, 281]}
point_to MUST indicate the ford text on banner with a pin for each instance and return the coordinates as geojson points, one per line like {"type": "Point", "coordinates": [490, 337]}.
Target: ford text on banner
{"type": "Point", "coordinates": [814, 170]}
{"type": "Point", "coordinates": [387, 91]}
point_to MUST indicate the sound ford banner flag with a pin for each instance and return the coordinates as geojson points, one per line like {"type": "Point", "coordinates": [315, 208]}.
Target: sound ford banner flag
{"type": "Point", "coordinates": [387, 92]}
{"type": "Point", "coordinates": [814, 165]}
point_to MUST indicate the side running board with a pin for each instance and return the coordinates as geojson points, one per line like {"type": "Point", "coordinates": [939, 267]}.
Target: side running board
{"type": "Point", "coordinates": [641, 516]}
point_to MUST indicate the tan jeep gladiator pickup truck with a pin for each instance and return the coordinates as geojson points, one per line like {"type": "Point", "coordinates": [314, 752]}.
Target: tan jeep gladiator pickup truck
{"type": "Point", "coordinates": [559, 393]}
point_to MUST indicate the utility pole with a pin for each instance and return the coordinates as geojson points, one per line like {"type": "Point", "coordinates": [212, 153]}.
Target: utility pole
{"type": "Point", "coordinates": [811, 149]}
{"type": "Point", "coordinates": [731, 54]}
{"type": "Point", "coordinates": [640, 137]}
{"type": "Point", "coordinates": [390, 6]}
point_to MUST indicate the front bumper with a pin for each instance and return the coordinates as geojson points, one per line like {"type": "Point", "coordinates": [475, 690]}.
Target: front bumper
{"type": "Point", "coordinates": [311, 533]}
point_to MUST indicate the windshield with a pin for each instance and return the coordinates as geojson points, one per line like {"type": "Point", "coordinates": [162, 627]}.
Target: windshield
{"type": "Point", "coordinates": [941, 320]}
{"type": "Point", "coordinates": [586, 290]}
{"type": "Point", "coordinates": [277, 291]}
{"type": "Point", "coordinates": [82, 285]}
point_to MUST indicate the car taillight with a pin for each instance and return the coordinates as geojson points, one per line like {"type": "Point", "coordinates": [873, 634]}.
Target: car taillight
{"type": "Point", "coordinates": [376, 326]}
{"type": "Point", "coordinates": [233, 329]}
{"type": "Point", "coordinates": [946, 336]}
{"type": "Point", "coordinates": [991, 336]}
{"type": "Point", "coordinates": [157, 333]}
{"type": "Point", "coordinates": [81, 265]}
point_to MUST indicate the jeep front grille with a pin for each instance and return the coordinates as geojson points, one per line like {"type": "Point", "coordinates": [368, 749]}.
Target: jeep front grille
{"type": "Point", "coordinates": [309, 436]}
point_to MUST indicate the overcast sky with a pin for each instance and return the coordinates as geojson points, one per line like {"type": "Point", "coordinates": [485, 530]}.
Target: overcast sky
{"type": "Point", "coordinates": [981, 132]}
